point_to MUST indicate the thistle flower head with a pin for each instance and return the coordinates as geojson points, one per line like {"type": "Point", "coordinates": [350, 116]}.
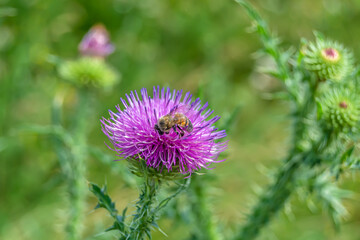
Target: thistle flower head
{"type": "Point", "coordinates": [96, 43]}
{"type": "Point", "coordinates": [182, 149]}
{"type": "Point", "coordinates": [341, 109]}
{"type": "Point", "coordinates": [328, 60]}
{"type": "Point", "coordinates": [88, 72]}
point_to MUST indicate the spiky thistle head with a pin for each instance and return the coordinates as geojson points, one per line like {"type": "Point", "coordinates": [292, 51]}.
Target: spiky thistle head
{"type": "Point", "coordinates": [132, 131]}
{"type": "Point", "coordinates": [328, 60]}
{"type": "Point", "coordinates": [88, 71]}
{"type": "Point", "coordinates": [340, 109]}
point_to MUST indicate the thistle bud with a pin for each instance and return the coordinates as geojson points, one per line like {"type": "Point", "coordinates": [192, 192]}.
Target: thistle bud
{"type": "Point", "coordinates": [88, 72]}
{"type": "Point", "coordinates": [96, 43]}
{"type": "Point", "coordinates": [328, 60]}
{"type": "Point", "coordinates": [341, 109]}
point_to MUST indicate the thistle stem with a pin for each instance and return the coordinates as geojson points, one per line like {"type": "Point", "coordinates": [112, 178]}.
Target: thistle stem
{"type": "Point", "coordinates": [145, 215]}
{"type": "Point", "coordinates": [271, 201]}
{"type": "Point", "coordinates": [274, 198]}
{"type": "Point", "coordinates": [76, 176]}
{"type": "Point", "coordinates": [77, 194]}
{"type": "Point", "coordinates": [270, 43]}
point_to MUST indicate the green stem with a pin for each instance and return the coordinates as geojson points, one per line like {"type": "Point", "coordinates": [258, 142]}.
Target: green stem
{"type": "Point", "coordinates": [76, 177]}
{"type": "Point", "coordinates": [271, 201]}
{"type": "Point", "coordinates": [279, 192]}
{"type": "Point", "coordinates": [77, 194]}
{"type": "Point", "coordinates": [58, 143]}
{"type": "Point", "coordinates": [145, 215]}
{"type": "Point", "coordinates": [270, 43]}
{"type": "Point", "coordinates": [206, 226]}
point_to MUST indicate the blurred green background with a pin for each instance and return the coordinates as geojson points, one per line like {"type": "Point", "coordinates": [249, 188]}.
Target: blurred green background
{"type": "Point", "coordinates": [181, 44]}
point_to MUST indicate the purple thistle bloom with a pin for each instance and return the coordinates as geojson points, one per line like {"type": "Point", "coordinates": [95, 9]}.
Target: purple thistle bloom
{"type": "Point", "coordinates": [132, 131]}
{"type": "Point", "coordinates": [96, 43]}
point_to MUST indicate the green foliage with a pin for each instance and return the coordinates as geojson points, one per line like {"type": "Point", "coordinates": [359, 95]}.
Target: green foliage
{"type": "Point", "coordinates": [182, 44]}
{"type": "Point", "coordinates": [316, 149]}
{"type": "Point", "coordinates": [147, 210]}
{"type": "Point", "coordinates": [104, 201]}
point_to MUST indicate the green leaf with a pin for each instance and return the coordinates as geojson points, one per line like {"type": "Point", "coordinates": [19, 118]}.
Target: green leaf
{"type": "Point", "coordinates": [330, 197]}
{"type": "Point", "coordinates": [347, 155]}
{"type": "Point", "coordinates": [103, 198]}
{"type": "Point", "coordinates": [270, 43]}
{"type": "Point", "coordinates": [319, 111]}
{"type": "Point", "coordinates": [106, 203]}
{"type": "Point", "coordinates": [112, 228]}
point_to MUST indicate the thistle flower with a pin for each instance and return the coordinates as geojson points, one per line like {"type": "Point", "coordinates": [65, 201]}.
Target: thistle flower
{"type": "Point", "coordinates": [88, 72]}
{"type": "Point", "coordinates": [133, 133]}
{"type": "Point", "coordinates": [96, 43]}
{"type": "Point", "coordinates": [341, 109]}
{"type": "Point", "coordinates": [328, 60]}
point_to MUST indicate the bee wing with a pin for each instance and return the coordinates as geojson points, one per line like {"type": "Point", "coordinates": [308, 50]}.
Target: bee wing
{"type": "Point", "coordinates": [180, 109]}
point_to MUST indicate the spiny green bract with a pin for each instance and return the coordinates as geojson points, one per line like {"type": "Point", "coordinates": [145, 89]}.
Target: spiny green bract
{"type": "Point", "coordinates": [328, 60]}
{"type": "Point", "coordinates": [138, 167]}
{"type": "Point", "coordinates": [341, 109]}
{"type": "Point", "coordinates": [88, 71]}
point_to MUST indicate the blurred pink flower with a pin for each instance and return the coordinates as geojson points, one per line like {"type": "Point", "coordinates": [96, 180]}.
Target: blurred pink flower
{"type": "Point", "coordinates": [96, 43]}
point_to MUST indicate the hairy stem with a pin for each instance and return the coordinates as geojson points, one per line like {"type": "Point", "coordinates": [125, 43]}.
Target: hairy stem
{"type": "Point", "coordinates": [270, 43]}
{"type": "Point", "coordinates": [76, 176]}
{"type": "Point", "coordinates": [145, 215]}
{"type": "Point", "coordinates": [77, 194]}
{"type": "Point", "coordinates": [274, 198]}
{"type": "Point", "coordinates": [271, 201]}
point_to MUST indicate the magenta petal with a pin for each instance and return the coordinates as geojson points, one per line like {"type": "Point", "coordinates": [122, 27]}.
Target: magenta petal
{"type": "Point", "coordinates": [132, 132]}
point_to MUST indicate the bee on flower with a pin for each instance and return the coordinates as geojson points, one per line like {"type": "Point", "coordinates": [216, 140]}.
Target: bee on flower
{"type": "Point", "coordinates": [168, 132]}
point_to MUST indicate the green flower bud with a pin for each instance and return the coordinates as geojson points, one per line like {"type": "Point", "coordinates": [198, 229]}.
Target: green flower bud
{"type": "Point", "coordinates": [328, 60]}
{"type": "Point", "coordinates": [88, 71]}
{"type": "Point", "coordinates": [137, 166]}
{"type": "Point", "coordinates": [340, 109]}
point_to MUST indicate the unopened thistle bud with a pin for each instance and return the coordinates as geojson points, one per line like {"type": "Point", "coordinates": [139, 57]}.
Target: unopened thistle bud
{"type": "Point", "coordinates": [328, 60]}
{"type": "Point", "coordinates": [96, 43]}
{"type": "Point", "coordinates": [88, 72]}
{"type": "Point", "coordinates": [341, 109]}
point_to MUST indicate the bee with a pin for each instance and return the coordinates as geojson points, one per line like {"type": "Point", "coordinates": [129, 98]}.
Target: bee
{"type": "Point", "coordinates": [175, 120]}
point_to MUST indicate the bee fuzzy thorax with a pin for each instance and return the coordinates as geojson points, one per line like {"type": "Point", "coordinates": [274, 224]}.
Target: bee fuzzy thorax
{"type": "Point", "coordinates": [179, 122]}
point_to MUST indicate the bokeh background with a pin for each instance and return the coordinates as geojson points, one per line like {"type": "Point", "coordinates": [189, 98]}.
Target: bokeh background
{"type": "Point", "coordinates": [183, 44]}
